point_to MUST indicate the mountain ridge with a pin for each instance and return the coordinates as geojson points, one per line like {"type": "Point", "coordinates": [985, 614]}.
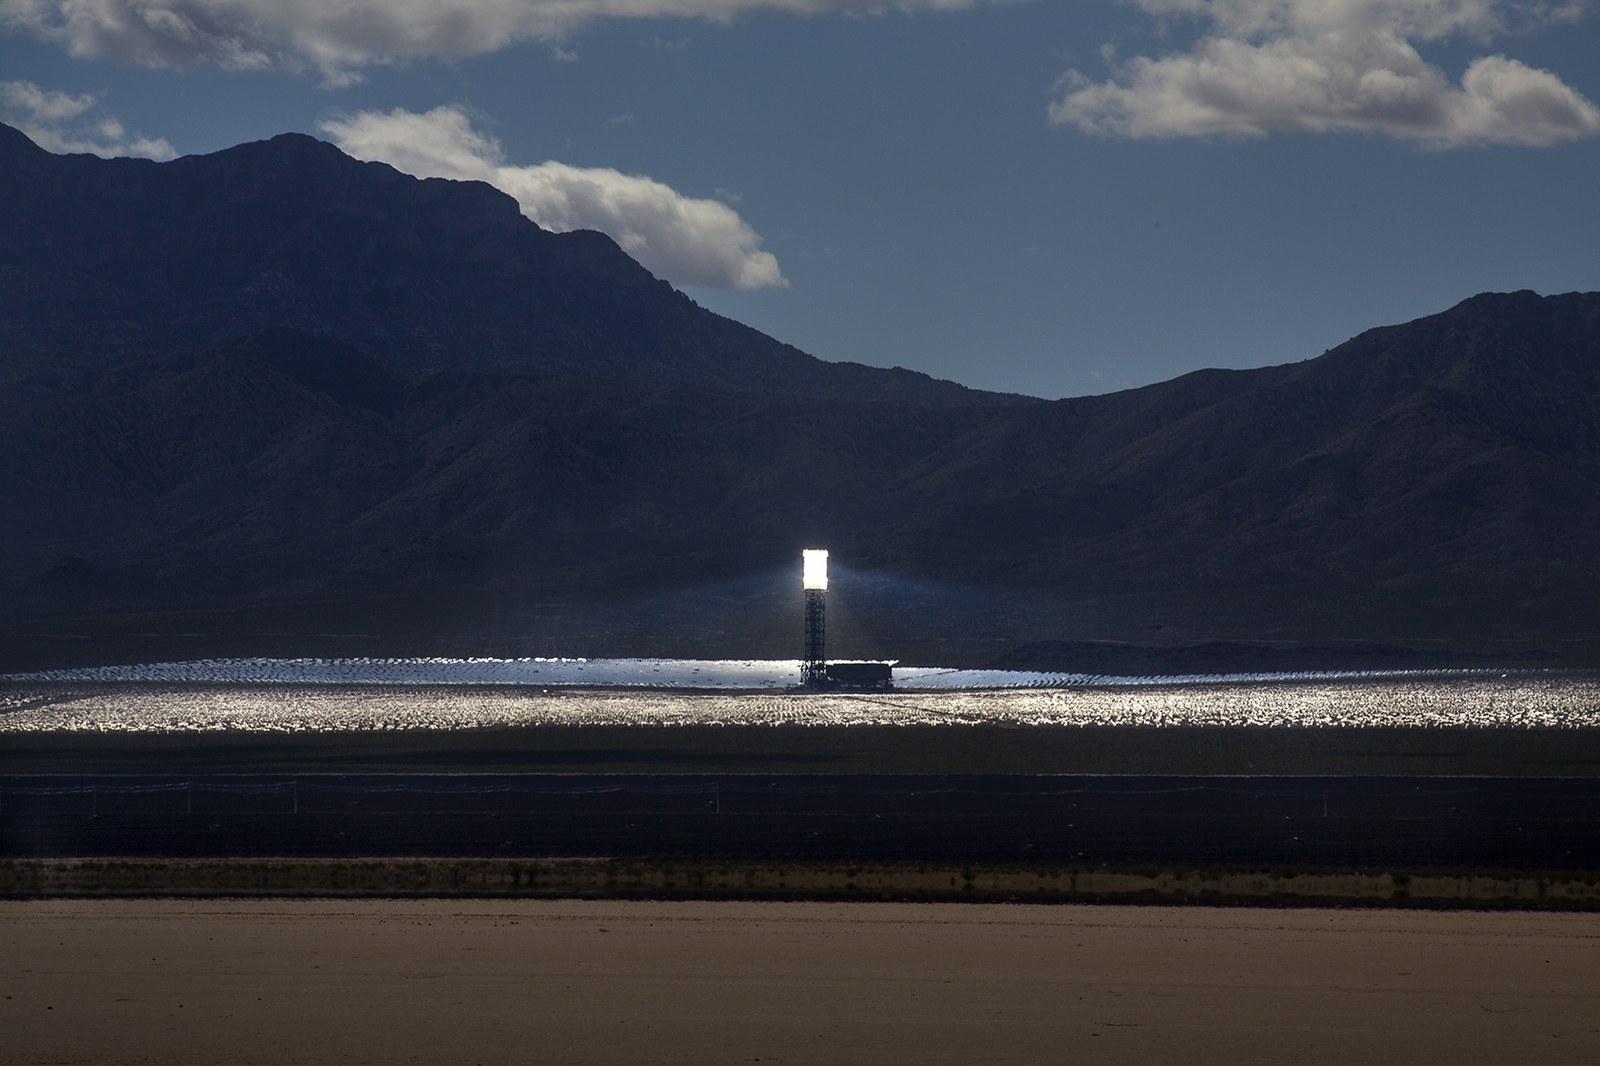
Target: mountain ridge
{"type": "Point", "coordinates": [292, 468]}
{"type": "Point", "coordinates": [1437, 480]}
{"type": "Point", "coordinates": [129, 256]}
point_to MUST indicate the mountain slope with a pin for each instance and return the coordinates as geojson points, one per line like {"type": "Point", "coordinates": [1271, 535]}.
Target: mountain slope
{"type": "Point", "coordinates": [1441, 476]}
{"type": "Point", "coordinates": [127, 257]}
{"type": "Point", "coordinates": [1464, 443]}
{"type": "Point", "coordinates": [278, 381]}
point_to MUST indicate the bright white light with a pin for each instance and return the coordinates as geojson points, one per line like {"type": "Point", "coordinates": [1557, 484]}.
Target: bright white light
{"type": "Point", "coordinates": [816, 568]}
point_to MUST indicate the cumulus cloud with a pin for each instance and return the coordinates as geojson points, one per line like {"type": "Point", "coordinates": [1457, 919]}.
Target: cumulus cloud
{"type": "Point", "coordinates": [61, 122]}
{"type": "Point", "coordinates": [339, 36]}
{"type": "Point", "coordinates": [1315, 66]}
{"type": "Point", "coordinates": [689, 242]}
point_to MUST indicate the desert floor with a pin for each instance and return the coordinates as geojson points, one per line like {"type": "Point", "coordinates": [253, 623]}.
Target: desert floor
{"type": "Point", "coordinates": [706, 983]}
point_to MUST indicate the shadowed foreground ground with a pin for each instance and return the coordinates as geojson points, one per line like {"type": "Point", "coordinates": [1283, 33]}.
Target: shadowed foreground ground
{"type": "Point", "coordinates": [449, 981]}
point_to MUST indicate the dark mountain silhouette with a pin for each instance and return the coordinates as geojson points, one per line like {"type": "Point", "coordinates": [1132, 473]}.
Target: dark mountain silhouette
{"type": "Point", "coordinates": [1466, 444]}
{"type": "Point", "coordinates": [132, 257]}
{"type": "Point", "coordinates": [1433, 480]}
{"type": "Point", "coordinates": [304, 488]}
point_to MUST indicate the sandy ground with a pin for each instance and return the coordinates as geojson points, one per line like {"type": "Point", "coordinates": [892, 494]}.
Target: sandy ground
{"type": "Point", "coordinates": [447, 982]}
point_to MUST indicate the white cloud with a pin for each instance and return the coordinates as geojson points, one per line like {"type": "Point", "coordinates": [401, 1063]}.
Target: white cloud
{"type": "Point", "coordinates": [48, 118]}
{"type": "Point", "coordinates": [689, 242]}
{"type": "Point", "coordinates": [339, 36]}
{"type": "Point", "coordinates": [42, 106]}
{"type": "Point", "coordinates": [1316, 66]}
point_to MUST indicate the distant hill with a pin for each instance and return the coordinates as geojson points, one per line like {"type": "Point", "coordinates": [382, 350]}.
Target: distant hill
{"type": "Point", "coordinates": [188, 446]}
{"type": "Point", "coordinates": [118, 257]}
{"type": "Point", "coordinates": [1459, 448]}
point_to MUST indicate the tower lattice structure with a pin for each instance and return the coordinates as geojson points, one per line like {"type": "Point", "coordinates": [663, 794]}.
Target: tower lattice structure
{"type": "Point", "coordinates": [814, 670]}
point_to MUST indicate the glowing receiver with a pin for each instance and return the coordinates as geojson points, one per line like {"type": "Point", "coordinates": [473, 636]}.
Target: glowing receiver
{"type": "Point", "coordinates": [816, 568]}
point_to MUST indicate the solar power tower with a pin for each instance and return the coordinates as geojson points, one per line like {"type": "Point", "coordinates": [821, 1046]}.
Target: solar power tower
{"type": "Point", "coordinates": [814, 578]}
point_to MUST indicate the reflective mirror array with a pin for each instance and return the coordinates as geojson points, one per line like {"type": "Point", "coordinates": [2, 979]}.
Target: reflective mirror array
{"type": "Point", "coordinates": [340, 695]}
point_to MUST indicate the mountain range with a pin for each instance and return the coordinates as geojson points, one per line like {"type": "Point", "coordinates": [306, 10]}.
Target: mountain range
{"type": "Point", "coordinates": [278, 400]}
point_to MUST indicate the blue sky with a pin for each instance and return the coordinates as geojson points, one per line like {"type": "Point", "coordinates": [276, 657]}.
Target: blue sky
{"type": "Point", "coordinates": [1041, 197]}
